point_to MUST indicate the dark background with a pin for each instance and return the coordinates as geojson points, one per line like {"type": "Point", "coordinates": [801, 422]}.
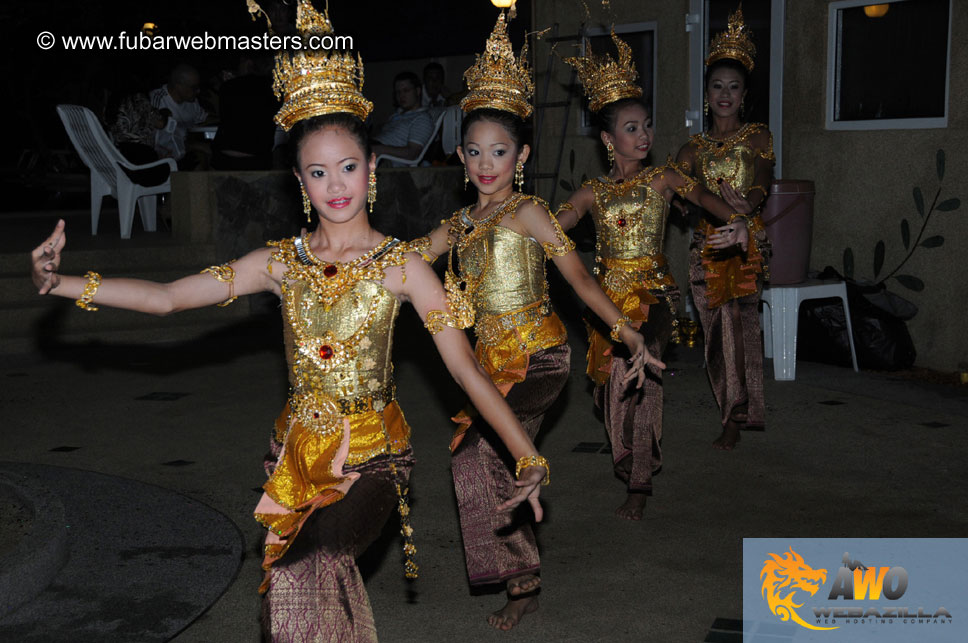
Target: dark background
{"type": "Point", "coordinates": [38, 80]}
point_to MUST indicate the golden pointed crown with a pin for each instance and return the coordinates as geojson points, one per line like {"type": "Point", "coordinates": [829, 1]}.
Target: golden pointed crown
{"type": "Point", "coordinates": [315, 82]}
{"type": "Point", "coordinates": [604, 79]}
{"type": "Point", "coordinates": [735, 42]}
{"type": "Point", "coordinates": [497, 80]}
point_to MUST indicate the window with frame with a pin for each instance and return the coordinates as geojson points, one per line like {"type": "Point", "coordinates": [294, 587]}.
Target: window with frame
{"type": "Point", "coordinates": [888, 64]}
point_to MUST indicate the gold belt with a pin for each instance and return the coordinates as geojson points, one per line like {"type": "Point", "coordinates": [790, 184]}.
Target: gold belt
{"type": "Point", "coordinates": [624, 274]}
{"type": "Point", "coordinates": [491, 329]}
{"type": "Point", "coordinates": [324, 415]}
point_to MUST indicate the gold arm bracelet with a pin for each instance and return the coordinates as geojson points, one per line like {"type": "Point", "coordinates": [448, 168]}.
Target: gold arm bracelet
{"type": "Point", "coordinates": [567, 205]}
{"type": "Point", "coordinates": [225, 274]}
{"type": "Point", "coordinates": [437, 320]}
{"type": "Point", "coordinates": [533, 461]}
{"type": "Point", "coordinates": [90, 289]}
{"type": "Point", "coordinates": [624, 320]}
{"type": "Point", "coordinates": [760, 188]}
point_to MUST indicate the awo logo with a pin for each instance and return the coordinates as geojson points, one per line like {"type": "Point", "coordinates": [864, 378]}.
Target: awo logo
{"type": "Point", "coordinates": [784, 576]}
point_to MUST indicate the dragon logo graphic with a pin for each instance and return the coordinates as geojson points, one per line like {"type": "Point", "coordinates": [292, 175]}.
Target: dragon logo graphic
{"type": "Point", "coordinates": [782, 577]}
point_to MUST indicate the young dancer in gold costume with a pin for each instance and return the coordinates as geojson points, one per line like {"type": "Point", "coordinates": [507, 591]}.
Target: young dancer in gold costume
{"type": "Point", "coordinates": [342, 447]}
{"type": "Point", "coordinates": [502, 243]}
{"type": "Point", "coordinates": [630, 206]}
{"type": "Point", "coordinates": [733, 159]}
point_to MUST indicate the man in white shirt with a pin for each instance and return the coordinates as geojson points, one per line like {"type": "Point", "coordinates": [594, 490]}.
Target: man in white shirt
{"type": "Point", "coordinates": [178, 100]}
{"type": "Point", "coordinates": [410, 127]}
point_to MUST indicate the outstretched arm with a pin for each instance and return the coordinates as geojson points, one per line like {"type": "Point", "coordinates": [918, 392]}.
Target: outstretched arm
{"type": "Point", "coordinates": [195, 291]}
{"type": "Point", "coordinates": [424, 290]}
{"type": "Point", "coordinates": [578, 205]}
{"type": "Point", "coordinates": [542, 227]}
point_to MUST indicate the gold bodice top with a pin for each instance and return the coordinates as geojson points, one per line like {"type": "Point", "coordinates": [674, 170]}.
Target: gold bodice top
{"type": "Point", "coordinates": [504, 271]}
{"type": "Point", "coordinates": [338, 330]}
{"type": "Point", "coordinates": [630, 216]}
{"type": "Point", "coordinates": [733, 159]}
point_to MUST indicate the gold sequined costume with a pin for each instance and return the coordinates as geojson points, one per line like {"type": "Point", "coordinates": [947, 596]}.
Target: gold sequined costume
{"type": "Point", "coordinates": [521, 343]}
{"type": "Point", "coordinates": [734, 161]}
{"type": "Point", "coordinates": [630, 224]}
{"type": "Point", "coordinates": [717, 278]}
{"type": "Point", "coordinates": [342, 410]}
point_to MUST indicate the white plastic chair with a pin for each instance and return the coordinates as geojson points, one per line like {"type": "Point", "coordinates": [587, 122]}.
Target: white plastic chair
{"type": "Point", "coordinates": [107, 178]}
{"type": "Point", "coordinates": [779, 321]}
{"type": "Point", "coordinates": [414, 162]}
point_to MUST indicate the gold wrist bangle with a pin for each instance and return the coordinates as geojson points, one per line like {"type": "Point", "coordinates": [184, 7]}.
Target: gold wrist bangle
{"type": "Point", "coordinates": [90, 289]}
{"type": "Point", "coordinates": [622, 321]}
{"type": "Point", "coordinates": [533, 461]}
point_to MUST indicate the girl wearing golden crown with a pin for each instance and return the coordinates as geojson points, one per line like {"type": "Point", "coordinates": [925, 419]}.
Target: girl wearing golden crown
{"type": "Point", "coordinates": [502, 243]}
{"type": "Point", "coordinates": [733, 159]}
{"type": "Point", "coordinates": [629, 207]}
{"type": "Point", "coordinates": [341, 445]}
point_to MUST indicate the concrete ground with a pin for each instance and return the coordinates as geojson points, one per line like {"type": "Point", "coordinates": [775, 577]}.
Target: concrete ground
{"type": "Point", "coordinates": [844, 455]}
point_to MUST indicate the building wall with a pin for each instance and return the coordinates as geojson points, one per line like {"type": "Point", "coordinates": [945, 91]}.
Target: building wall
{"type": "Point", "coordinates": [864, 179]}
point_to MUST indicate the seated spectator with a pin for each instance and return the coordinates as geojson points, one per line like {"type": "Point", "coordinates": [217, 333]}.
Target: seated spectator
{"type": "Point", "coordinates": [435, 99]}
{"type": "Point", "coordinates": [179, 98]}
{"type": "Point", "coordinates": [133, 133]}
{"type": "Point", "coordinates": [247, 105]}
{"type": "Point", "coordinates": [434, 92]}
{"type": "Point", "coordinates": [410, 127]}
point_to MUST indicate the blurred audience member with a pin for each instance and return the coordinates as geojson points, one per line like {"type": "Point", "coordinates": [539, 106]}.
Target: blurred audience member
{"type": "Point", "coordinates": [133, 133]}
{"type": "Point", "coordinates": [410, 127]}
{"type": "Point", "coordinates": [246, 131]}
{"type": "Point", "coordinates": [434, 92]}
{"type": "Point", "coordinates": [179, 98]}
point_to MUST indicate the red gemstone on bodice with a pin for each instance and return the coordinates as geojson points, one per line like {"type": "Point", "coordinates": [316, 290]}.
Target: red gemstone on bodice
{"type": "Point", "coordinates": [326, 351]}
{"type": "Point", "coordinates": [621, 223]}
{"type": "Point", "coordinates": [330, 270]}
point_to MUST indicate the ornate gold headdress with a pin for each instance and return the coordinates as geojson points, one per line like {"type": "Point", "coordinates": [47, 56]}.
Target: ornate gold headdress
{"type": "Point", "coordinates": [497, 80]}
{"type": "Point", "coordinates": [316, 82]}
{"type": "Point", "coordinates": [606, 80]}
{"type": "Point", "coordinates": [734, 43]}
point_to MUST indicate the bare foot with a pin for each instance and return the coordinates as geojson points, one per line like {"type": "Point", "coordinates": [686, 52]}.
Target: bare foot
{"type": "Point", "coordinates": [727, 441]}
{"type": "Point", "coordinates": [510, 615]}
{"type": "Point", "coordinates": [633, 507]}
{"type": "Point", "coordinates": [520, 585]}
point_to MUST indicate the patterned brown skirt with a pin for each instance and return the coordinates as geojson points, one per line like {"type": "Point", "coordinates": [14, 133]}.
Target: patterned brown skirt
{"type": "Point", "coordinates": [730, 388]}
{"type": "Point", "coordinates": [633, 418]}
{"type": "Point", "coordinates": [499, 546]}
{"type": "Point", "coordinates": [316, 593]}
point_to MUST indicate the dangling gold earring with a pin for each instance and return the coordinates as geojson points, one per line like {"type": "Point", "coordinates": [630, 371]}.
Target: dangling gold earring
{"type": "Point", "coordinates": [519, 175]}
{"type": "Point", "coordinates": [371, 191]}
{"type": "Point", "coordinates": [466, 178]}
{"type": "Point", "coordinates": [307, 205]}
{"type": "Point", "coordinates": [742, 108]}
{"type": "Point", "coordinates": [610, 149]}
{"type": "Point", "coordinates": [705, 107]}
